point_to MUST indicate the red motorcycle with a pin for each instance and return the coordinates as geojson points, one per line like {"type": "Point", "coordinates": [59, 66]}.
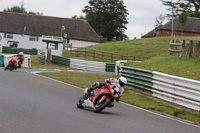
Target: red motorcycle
{"type": "Point", "coordinates": [12, 64]}
{"type": "Point", "coordinates": [99, 98]}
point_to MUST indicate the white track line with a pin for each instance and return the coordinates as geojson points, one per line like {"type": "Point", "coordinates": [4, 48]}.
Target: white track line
{"type": "Point", "coordinates": [182, 121]}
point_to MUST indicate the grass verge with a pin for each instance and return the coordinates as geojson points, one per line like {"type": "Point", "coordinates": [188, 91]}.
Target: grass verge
{"type": "Point", "coordinates": [84, 80]}
{"type": "Point", "coordinates": [182, 67]}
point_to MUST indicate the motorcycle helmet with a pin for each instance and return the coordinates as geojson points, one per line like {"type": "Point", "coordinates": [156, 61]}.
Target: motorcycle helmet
{"type": "Point", "coordinates": [122, 81]}
{"type": "Point", "coordinates": [21, 54]}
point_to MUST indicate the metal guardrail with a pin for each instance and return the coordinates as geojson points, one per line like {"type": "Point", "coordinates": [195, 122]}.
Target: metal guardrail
{"type": "Point", "coordinates": [88, 65]}
{"type": "Point", "coordinates": [83, 64]}
{"type": "Point", "coordinates": [138, 79]}
{"type": "Point", "coordinates": [41, 59]}
{"type": "Point", "coordinates": [182, 91]}
{"type": "Point", "coordinates": [59, 60]}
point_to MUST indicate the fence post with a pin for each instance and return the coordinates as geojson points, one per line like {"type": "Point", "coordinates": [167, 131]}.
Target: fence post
{"type": "Point", "coordinates": [122, 57]}
{"type": "Point", "coordinates": [183, 49]}
{"type": "Point", "coordinates": [85, 52]}
{"type": "Point", "coordinates": [94, 53]}
{"type": "Point", "coordinates": [191, 48]}
{"type": "Point", "coordinates": [71, 48]}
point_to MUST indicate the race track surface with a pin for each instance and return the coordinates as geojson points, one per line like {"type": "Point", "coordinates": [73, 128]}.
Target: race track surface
{"type": "Point", "coordinates": [34, 104]}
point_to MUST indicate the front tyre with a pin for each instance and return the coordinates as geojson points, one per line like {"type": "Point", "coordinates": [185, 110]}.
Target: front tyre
{"type": "Point", "coordinates": [100, 106]}
{"type": "Point", "coordinates": [8, 66]}
{"type": "Point", "coordinates": [80, 101]}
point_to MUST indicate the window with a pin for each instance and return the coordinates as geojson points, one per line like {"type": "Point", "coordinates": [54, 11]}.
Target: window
{"type": "Point", "coordinates": [54, 46]}
{"type": "Point", "coordinates": [6, 35]}
{"type": "Point", "coordinates": [34, 38]}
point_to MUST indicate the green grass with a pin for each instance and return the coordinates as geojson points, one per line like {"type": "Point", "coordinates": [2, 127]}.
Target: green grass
{"type": "Point", "coordinates": [149, 47]}
{"type": "Point", "coordinates": [84, 80]}
{"type": "Point", "coordinates": [182, 67]}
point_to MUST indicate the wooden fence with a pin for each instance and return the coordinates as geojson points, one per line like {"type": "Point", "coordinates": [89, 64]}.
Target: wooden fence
{"type": "Point", "coordinates": [87, 52]}
{"type": "Point", "coordinates": [186, 48]}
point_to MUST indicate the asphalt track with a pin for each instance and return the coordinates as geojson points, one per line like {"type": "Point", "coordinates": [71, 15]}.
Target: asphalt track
{"type": "Point", "coordinates": [34, 104]}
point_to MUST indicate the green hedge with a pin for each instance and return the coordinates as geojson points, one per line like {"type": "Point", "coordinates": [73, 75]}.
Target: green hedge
{"type": "Point", "coordinates": [13, 50]}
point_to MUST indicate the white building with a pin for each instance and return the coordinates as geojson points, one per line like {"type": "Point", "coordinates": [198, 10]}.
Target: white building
{"type": "Point", "coordinates": [42, 32]}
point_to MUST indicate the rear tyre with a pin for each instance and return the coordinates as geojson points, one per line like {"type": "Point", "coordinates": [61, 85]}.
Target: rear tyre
{"type": "Point", "coordinates": [100, 106]}
{"type": "Point", "coordinates": [80, 101]}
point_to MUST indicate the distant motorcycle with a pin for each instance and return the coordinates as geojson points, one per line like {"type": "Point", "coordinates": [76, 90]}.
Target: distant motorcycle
{"type": "Point", "coordinates": [99, 98]}
{"type": "Point", "coordinates": [12, 64]}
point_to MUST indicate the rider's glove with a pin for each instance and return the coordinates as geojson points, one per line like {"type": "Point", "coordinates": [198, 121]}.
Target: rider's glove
{"type": "Point", "coordinates": [94, 84]}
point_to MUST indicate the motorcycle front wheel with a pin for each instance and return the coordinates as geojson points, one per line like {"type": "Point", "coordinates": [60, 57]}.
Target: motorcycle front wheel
{"type": "Point", "coordinates": [80, 101]}
{"type": "Point", "coordinates": [8, 66]}
{"type": "Point", "coordinates": [100, 106]}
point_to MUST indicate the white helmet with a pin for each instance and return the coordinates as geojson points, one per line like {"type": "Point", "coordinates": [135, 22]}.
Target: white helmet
{"type": "Point", "coordinates": [21, 53]}
{"type": "Point", "coordinates": [122, 81]}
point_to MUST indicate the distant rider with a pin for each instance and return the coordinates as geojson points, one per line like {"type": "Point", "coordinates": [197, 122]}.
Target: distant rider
{"type": "Point", "coordinates": [119, 86]}
{"type": "Point", "coordinates": [20, 56]}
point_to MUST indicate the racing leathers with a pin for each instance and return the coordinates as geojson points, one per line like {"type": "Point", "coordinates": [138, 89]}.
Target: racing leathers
{"type": "Point", "coordinates": [21, 58]}
{"type": "Point", "coordinates": [97, 85]}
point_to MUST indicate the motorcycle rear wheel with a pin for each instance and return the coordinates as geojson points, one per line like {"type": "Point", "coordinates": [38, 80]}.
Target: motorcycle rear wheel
{"type": "Point", "coordinates": [100, 106]}
{"type": "Point", "coordinates": [80, 101]}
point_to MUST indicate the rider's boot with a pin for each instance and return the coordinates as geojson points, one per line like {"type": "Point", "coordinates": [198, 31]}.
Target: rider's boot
{"type": "Point", "coordinates": [111, 105]}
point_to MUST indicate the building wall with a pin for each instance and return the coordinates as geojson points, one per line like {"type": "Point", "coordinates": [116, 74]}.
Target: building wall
{"type": "Point", "coordinates": [78, 43]}
{"type": "Point", "coordinates": [168, 33]}
{"type": "Point", "coordinates": [23, 40]}
{"type": "Point", "coordinates": [41, 46]}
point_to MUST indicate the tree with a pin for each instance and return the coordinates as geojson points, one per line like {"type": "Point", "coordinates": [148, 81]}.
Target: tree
{"type": "Point", "coordinates": [183, 19]}
{"type": "Point", "coordinates": [107, 17]}
{"type": "Point", "coordinates": [192, 6]}
{"type": "Point", "coordinates": [159, 22]}
{"type": "Point", "coordinates": [80, 17]}
{"type": "Point", "coordinates": [15, 9]}
{"type": "Point", "coordinates": [21, 9]}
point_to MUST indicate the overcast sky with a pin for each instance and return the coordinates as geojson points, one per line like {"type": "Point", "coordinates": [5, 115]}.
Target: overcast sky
{"type": "Point", "coordinates": [142, 13]}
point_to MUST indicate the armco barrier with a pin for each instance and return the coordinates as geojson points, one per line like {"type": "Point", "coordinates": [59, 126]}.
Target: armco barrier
{"type": "Point", "coordinates": [13, 50]}
{"type": "Point", "coordinates": [41, 59]}
{"type": "Point", "coordinates": [63, 61]}
{"type": "Point", "coordinates": [182, 91]}
{"type": "Point", "coordinates": [110, 67]}
{"type": "Point", "coordinates": [83, 64]}
{"type": "Point", "coordinates": [88, 65]}
{"type": "Point", "coordinates": [138, 79]}
{"type": "Point", "coordinates": [1, 60]}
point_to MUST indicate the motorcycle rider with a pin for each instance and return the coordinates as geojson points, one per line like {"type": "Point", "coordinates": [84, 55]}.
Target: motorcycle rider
{"type": "Point", "coordinates": [20, 56]}
{"type": "Point", "coordinates": [119, 86]}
